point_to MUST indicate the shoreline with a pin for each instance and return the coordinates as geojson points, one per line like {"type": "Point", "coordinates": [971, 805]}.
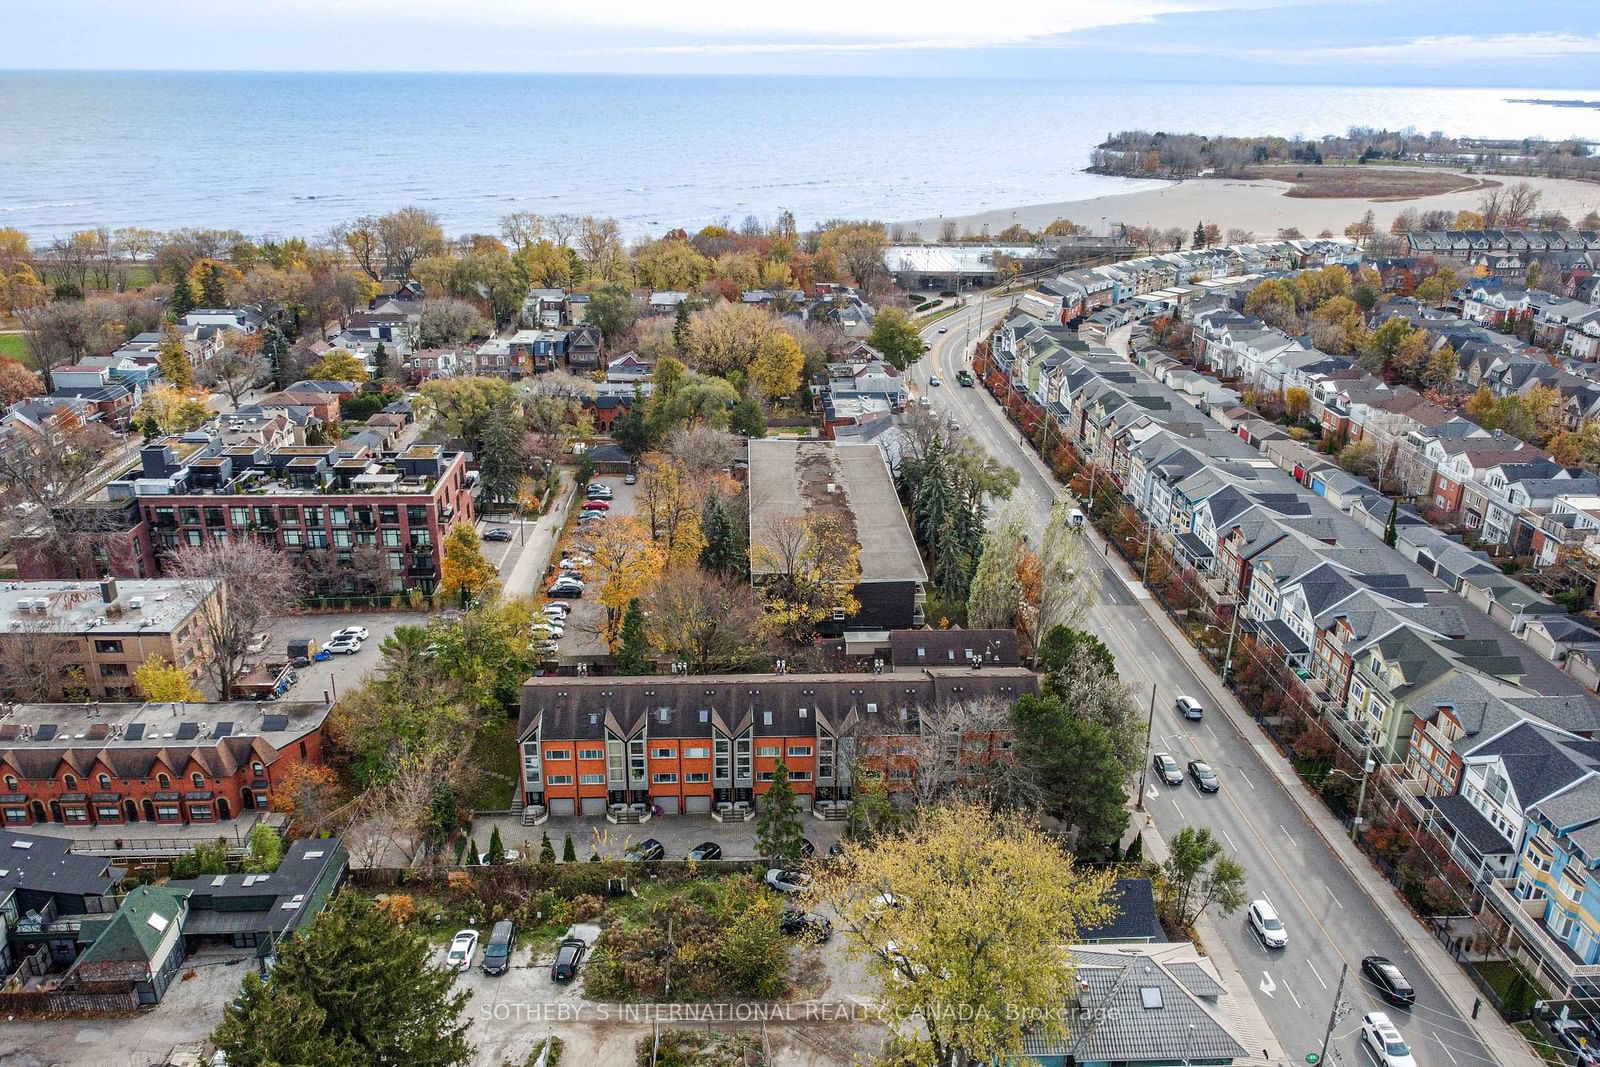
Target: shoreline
{"type": "Point", "coordinates": [1255, 205]}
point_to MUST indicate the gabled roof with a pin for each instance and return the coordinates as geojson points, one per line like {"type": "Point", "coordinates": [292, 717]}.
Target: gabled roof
{"type": "Point", "coordinates": [136, 931]}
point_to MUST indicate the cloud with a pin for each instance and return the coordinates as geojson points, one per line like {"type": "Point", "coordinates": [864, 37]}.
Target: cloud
{"type": "Point", "coordinates": [1449, 50]}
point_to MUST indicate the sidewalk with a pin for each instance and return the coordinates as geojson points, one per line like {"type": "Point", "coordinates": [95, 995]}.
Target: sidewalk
{"type": "Point", "coordinates": [1241, 1011]}
{"type": "Point", "coordinates": [1502, 1040]}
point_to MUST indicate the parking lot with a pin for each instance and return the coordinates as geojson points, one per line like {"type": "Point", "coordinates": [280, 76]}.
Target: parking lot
{"type": "Point", "coordinates": [339, 673]}
{"type": "Point", "coordinates": [584, 639]}
{"type": "Point", "coordinates": [677, 834]}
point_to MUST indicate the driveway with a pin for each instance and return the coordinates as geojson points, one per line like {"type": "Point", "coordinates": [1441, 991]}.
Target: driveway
{"type": "Point", "coordinates": [677, 833]}
{"type": "Point", "coordinates": [584, 640]}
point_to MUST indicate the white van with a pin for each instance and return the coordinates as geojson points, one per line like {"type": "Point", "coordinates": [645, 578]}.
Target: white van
{"type": "Point", "coordinates": [1075, 518]}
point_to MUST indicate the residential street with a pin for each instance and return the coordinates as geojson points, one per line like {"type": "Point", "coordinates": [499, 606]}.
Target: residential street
{"type": "Point", "coordinates": [1331, 919]}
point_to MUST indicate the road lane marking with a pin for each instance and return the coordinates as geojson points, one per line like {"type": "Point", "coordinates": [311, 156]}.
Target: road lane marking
{"type": "Point", "coordinates": [1442, 1045]}
{"type": "Point", "coordinates": [1215, 738]}
{"type": "Point", "coordinates": [1246, 778]}
{"type": "Point", "coordinates": [1287, 835]}
{"type": "Point", "coordinates": [1230, 840]}
{"type": "Point", "coordinates": [1268, 986]}
{"type": "Point", "coordinates": [1181, 815]}
{"type": "Point", "coordinates": [1314, 971]}
{"type": "Point", "coordinates": [1293, 997]}
{"type": "Point", "coordinates": [1334, 895]}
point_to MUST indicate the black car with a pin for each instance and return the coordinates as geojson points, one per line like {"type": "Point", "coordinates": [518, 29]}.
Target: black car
{"type": "Point", "coordinates": [645, 851]}
{"type": "Point", "coordinates": [706, 850]}
{"type": "Point", "coordinates": [1390, 982]}
{"type": "Point", "coordinates": [1579, 1039]}
{"type": "Point", "coordinates": [568, 956]}
{"type": "Point", "coordinates": [814, 927]}
{"type": "Point", "coordinates": [1167, 769]}
{"type": "Point", "coordinates": [836, 849]}
{"type": "Point", "coordinates": [1205, 779]}
{"type": "Point", "coordinates": [497, 535]}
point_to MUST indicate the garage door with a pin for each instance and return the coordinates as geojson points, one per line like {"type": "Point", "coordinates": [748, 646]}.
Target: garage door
{"type": "Point", "coordinates": [804, 800]}
{"type": "Point", "coordinates": [697, 805]}
{"type": "Point", "coordinates": [594, 805]}
{"type": "Point", "coordinates": [560, 805]}
{"type": "Point", "coordinates": [668, 805]}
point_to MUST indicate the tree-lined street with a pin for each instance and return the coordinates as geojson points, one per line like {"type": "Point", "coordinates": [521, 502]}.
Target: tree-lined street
{"type": "Point", "coordinates": [1331, 919]}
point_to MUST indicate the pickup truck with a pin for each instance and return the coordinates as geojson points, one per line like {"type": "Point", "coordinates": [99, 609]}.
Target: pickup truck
{"type": "Point", "coordinates": [964, 377]}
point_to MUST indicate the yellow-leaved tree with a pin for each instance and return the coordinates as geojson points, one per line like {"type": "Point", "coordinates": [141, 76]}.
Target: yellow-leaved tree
{"type": "Point", "coordinates": [627, 563]}
{"type": "Point", "coordinates": [971, 955]}
{"type": "Point", "coordinates": [168, 409]}
{"type": "Point", "coordinates": [339, 365]}
{"type": "Point", "coordinates": [466, 573]}
{"type": "Point", "coordinates": [669, 502]}
{"type": "Point", "coordinates": [159, 681]}
{"type": "Point", "coordinates": [808, 566]}
{"type": "Point", "coordinates": [776, 369]}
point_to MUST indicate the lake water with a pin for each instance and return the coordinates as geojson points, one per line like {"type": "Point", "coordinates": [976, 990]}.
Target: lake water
{"type": "Point", "coordinates": [291, 154]}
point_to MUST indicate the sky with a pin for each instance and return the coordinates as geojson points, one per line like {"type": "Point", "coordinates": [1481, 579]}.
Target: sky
{"type": "Point", "coordinates": [1530, 43]}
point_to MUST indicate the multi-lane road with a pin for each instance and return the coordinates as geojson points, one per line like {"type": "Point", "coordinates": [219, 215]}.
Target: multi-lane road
{"type": "Point", "coordinates": [1330, 919]}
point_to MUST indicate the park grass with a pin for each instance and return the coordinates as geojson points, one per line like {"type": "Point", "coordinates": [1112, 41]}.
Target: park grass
{"type": "Point", "coordinates": [493, 767]}
{"type": "Point", "coordinates": [1367, 183]}
{"type": "Point", "coordinates": [15, 346]}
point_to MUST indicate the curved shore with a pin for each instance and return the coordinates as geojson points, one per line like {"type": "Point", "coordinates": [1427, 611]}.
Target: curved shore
{"type": "Point", "coordinates": [1257, 206]}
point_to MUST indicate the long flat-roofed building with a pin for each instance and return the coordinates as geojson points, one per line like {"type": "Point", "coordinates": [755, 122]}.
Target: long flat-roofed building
{"type": "Point", "coordinates": [793, 480]}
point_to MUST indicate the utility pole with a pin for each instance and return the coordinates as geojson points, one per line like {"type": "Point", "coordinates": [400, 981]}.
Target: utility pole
{"type": "Point", "coordinates": [1367, 768]}
{"type": "Point", "coordinates": [1227, 657]}
{"type": "Point", "coordinates": [1149, 730]}
{"type": "Point", "coordinates": [1336, 1014]}
{"type": "Point", "coordinates": [1149, 535]}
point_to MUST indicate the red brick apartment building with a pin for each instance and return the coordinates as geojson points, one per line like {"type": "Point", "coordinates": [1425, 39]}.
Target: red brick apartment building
{"type": "Point", "coordinates": [684, 744]}
{"type": "Point", "coordinates": [167, 764]}
{"type": "Point", "coordinates": [196, 488]}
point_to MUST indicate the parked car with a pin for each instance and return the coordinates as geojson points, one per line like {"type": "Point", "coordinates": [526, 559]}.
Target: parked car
{"type": "Point", "coordinates": [591, 518]}
{"type": "Point", "coordinates": [1383, 1040]}
{"type": "Point", "coordinates": [787, 881]}
{"type": "Point", "coordinates": [706, 850]}
{"type": "Point", "coordinates": [1205, 779]}
{"type": "Point", "coordinates": [1579, 1037]}
{"type": "Point", "coordinates": [576, 562]}
{"type": "Point", "coordinates": [512, 856]}
{"type": "Point", "coordinates": [544, 631]}
{"type": "Point", "coordinates": [357, 632]}
{"type": "Point", "coordinates": [1263, 918]}
{"type": "Point", "coordinates": [568, 955]}
{"type": "Point", "coordinates": [1188, 707]}
{"type": "Point", "coordinates": [344, 646]}
{"type": "Point", "coordinates": [545, 649]}
{"type": "Point", "coordinates": [1390, 982]}
{"type": "Point", "coordinates": [557, 611]}
{"type": "Point", "coordinates": [1167, 769]}
{"type": "Point", "coordinates": [257, 644]}
{"type": "Point", "coordinates": [645, 851]}
{"type": "Point", "coordinates": [462, 948]}
{"type": "Point", "coordinates": [497, 535]}
{"type": "Point", "coordinates": [598, 490]}
{"type": "Point", "coordinates": [815, 927]}
{"type": "Point", "coordinates": [630, 478]}
{"type": "Point", "coordinates": [596, 505]}
{"type": "Point", "coordinates": [497, 953]}
{"type": "Point", "coordinates": [565, 589]}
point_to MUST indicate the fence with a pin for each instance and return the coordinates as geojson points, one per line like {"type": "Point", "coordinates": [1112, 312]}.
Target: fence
{"type": "Point", "coordinates": [70, 1002]}
{"type": "Point", "coordinates": [546, 875]}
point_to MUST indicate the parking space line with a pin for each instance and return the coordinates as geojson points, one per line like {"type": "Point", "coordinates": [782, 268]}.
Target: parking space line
{"type": "Point", "coordinates": [1445, 1048]}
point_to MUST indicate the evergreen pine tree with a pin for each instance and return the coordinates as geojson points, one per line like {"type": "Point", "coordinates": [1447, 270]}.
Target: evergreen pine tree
{"type": "Point", "coordinates": [779, 836]}
{"type": "Point", "coordinates": [1199, 235]}
{"type": "Point", "coordinates": [569, 853]}
{"type": "Point", "coordinates": [472, 851]}
{"type": "Point", "coordinates": [1389, 532]}
{"type": "Point", "coordinates": [497, 849]}
{"type": "Point", "coordinates": [211, 290]}
{"type": "Point", "coordinates": [633, 651]}
{"type": "Point", "coordinates": [680, 327]}
{"type": "Point", "coordinates": [275, 347]}
{"type": "Point", "coordinates": [380, 363]}
{"type": "Point", "coordinates": [183, 298]}
{"type": "Point", "coordinates": [721, 554]}
{"type": "Point", "coordinates": [547, 851]}
{"type": "Point", "coordinates": [353, 987]}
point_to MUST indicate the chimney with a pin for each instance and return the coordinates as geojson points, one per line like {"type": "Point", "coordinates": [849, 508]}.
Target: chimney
{"type": "Point", "coordinates": [108, 589]}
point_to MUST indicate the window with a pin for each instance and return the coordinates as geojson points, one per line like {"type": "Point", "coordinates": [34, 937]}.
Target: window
{"type": "Point", "coordinates": [799, 750]}
{"type": "Point", "coordinates": [1571, 890]}
{"type": "Point", "coordinates": [697, 777]}
{"type": "Point", "coordinates": [239, 516]}
{"type": "Point", "coordinates": [636, 760]}
{"type": "Point", "coordinates": [615, 764]}
{"type": "Point", "coordinates": [388, 513]}
{"type": "Point", "coordinates": [560, 779]}
{"type": "Point", "coordinates": [317, 538]}
{"type": "Point", "coordinates": [289, 515]}
{"type": "Point", "coordinates": [825, 757]}
{"type": "Point", "coordinates": [198, 779]}
{"type": "Point", "coordinates": [696, 752]}
{"type": "Point", "coordinates": [766, 750]}
{"type": "Point", "coordinates": [17, 815]}
{"type": "Point", "coordinates": [167, 812]}
{"type": "Point", "coordinates": [391, 538]}
{"type": "Point", "coordinates": [721, 764]}
{"type": "Point", "coordinates": [163, 782]}
{"type": "Point", "coordinates": [341, 539]}
{"type": "Point", "coordinates": [591, 753]}
{"type": "Point", "coordinates": [108, 648]}
{"type": "Point", "coordinates": [105, 781]}
{"type": "Point", "coordinates": [313, 516]}
{"type": "Point", "coordinates": [113, 670]}
{"type": "Point", "coordinates": [799, 776]}
{"type": "Point", "coordinates": [741, 759]}
{"type": "Point", "coordinates": [663, 779]}
{"type": "Point", "coordinates": [558, 753]}
{"type": "Point", "coordinates": [293, 538]}
{"type": "Point", "coordinates": [764, 776]}
{"type": "Point", "coordinates": [662, 753]}
{"type": "Point", "coordinates": [70, 781]}
{"type": "Point", "coordinates": [530, 763]}
{"type": "Point", "coordinates": [11, 783]}
{"type": "Point", "coordinates": [107, 812]}
{"type": "Point", "coordinates": [258, 769]}
{"type": "Point", "coordinates": [76, 814]}
{"type": "Point", "coordinates": [200, 812]}
{"type": "Point", "coordinates": [591, 779]}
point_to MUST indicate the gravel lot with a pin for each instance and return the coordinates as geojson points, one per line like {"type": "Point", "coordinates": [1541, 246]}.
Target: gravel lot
{"type": "Point", "coordinates": [677, 833]}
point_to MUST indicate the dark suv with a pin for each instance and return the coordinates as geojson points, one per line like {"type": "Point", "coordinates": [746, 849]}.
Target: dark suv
{"type": "Point", "coordinates": [568, 956]}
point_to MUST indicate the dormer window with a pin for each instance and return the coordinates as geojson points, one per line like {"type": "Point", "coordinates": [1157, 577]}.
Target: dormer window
{"type": "Point", "coordinates": [198, 779]}
{"type": "Point", "coordinates": [70, 781]}
{"type": "Point", "coordinates": [163, 781]}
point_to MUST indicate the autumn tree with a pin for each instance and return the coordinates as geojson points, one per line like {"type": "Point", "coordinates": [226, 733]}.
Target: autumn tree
{"type": "Point", "coordinates": [240, 587]}
{"type": "Point", "coordinates": [808, 567]}
{"type": "Point", "coordinates": [459, 406]}
{"type": "Point", "coordinates": [996, 598]}
{"type": "Point", "coordinates": [171, 410]}
{"type": "Point", "coordinates": [339, 365]}
{"type": "Point", "coordinates": [896, 337]}
{"type": "Point", "coordinates": [971, 955]}
{"type": "Point", "coordinates": [708, 621]}
{"type": "Point", "coordinates": [446, 321]}
{"type": "Point", "coordinates": [627, 562]}
{"type": "Point", "coordinates": [611, 310]}
{"type": "Point", "coordinates": [1578, 448]}
{"type": "Point", "coordinates": [237, 369]}
{"type": "Point", "coordinates": [668, 502]}
{"type": "Point", "coordinates": [728, 337]}
{"type": "Point", "coordinates": [858, 248]}
{"type": "Point", "coordinates": [405, 236]}
{"type": "Point", "coordinates": [309, 794]}
{"type": "Point", "coordinates": [1296, 402]}
{"type": "Point", "coordinates": [17, 383]}
{"type": "Point", "coordinates": [1197, 876]}
{"type": "Point", "coordinates": [160, 682]}
{"type": "Point", "coordinates": [775, 370]}
{"type": "Point", "coordinates": [465, 572]}
{"type": "Point", "coordinates": [174, 360]}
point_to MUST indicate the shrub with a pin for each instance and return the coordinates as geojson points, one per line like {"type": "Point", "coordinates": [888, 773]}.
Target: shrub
{"type": "Point", "coordinates": [586, 907]}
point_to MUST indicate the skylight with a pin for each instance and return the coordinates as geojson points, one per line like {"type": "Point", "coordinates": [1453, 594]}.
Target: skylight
{"type": "Point", "coordinates": [1150, 995]}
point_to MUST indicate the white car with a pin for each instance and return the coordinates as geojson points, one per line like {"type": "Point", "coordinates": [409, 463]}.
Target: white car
{"type": "Point", "coordinates": [1268, 927]}
{"type": "Point", "coordinates": [1385, 1042]}
{"type": "Point", "coordinates": [345, 646]}
{"type": "Point", "coordinates": [933, 379]}
{"type": "Point", "coordinates": [575, 562]}
{"type": "Point", "coordinates": [357, 632]}
{"type": "Point", "coordinates": [556, 612]}
{"type": "Point", "coordinates": [512, 856]}
{"type": "Point", "coordinates": [787, 881]}
{"type": "Point", "coordinates": [462, 946]}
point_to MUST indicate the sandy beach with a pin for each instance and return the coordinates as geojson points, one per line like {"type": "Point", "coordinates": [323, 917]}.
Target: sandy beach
{"type": "Point", "coordinates": [1257, 206]}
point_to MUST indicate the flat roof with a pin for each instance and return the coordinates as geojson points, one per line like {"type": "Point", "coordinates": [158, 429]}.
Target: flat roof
{"type": "Point", "coordinates": [152, 725]}
{"type": "Point", "coordinates": [792, 479]}
{"type": "Point", "coordinates": [73, 606]}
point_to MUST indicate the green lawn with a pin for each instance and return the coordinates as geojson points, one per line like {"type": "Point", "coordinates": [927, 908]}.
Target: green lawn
{"type": "Point", "coordinates": [15, 346]}
{"type": "Point", "coordinates": [1516, 987]}
{"type": "Point", "coordinates": [1541, 1044]}
{"type": "Point", "coordinates": [493, 768]}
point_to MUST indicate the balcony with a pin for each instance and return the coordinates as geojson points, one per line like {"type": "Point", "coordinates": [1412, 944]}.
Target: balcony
{"type": "Point", "coordinates": [1554, 958]}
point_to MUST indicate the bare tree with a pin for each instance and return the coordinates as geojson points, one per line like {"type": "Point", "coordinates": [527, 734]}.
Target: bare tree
{"type": "Point", "coordinates": [704, 450]}
{"type": "Point", "coordinates": [1521, 201]}
{"type": "Point", "coordinates": [42, 471]}
{"type": "Point", "coordinates": [360, 238]}
{"type": "Point", "coordinates": [522, 228]}
{"type": "Point", "coordinates": [406, 236]}
{"type": "Point", "coordinates": [1492, 207]}
{"type": "Point", "coordinates": [712, 623]}
{"type": "Point", "coordinates": [67, 331]}
{"type": "Point", "coordinates": [961, 751]}
{"type": "Point", "coordinates": [258, 583]}
{"type": "Point", "coordinates": [33, 658]}
{"type": "Point", "coordinates": [236, 369]}
{"type": "Point", "coordinates": [562, 228]}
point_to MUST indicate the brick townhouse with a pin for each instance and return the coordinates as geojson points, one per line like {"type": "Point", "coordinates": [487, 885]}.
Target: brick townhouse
{"type": "Point", "coordinates": [112, 765]}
